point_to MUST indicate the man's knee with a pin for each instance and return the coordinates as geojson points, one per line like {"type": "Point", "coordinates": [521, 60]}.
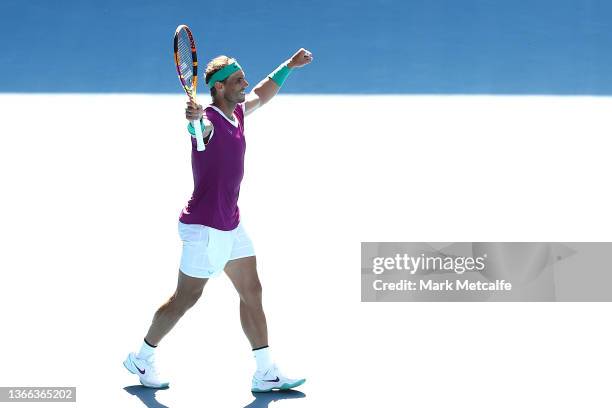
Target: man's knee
{"type": "Point", "coordinates": [185, 299]}
{"type": "Point", "coordinates": [191, 296]}
{"type": "Point", "coordinates": [251, 293]}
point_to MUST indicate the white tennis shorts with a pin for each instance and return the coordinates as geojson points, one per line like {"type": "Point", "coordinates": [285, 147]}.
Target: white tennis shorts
{"type": "Point", "coordinates": [206, 250]}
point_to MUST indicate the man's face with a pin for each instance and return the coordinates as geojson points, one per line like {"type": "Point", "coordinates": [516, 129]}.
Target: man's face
{"type": "Point", "coordinates": [234, 87]}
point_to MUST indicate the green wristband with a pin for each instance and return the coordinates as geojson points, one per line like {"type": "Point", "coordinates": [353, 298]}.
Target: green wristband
{"type": "Point", "coordinates": [191, 129]}
{"type": "Point", "coordinates": [280, 74]}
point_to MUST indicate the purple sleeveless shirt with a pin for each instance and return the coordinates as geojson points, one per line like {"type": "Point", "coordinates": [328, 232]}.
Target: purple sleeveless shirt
{"type": "Point", "coordinates": [217, 173]}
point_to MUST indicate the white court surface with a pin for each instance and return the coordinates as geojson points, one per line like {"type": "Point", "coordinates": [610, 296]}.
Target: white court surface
{"type": "Point", "coordinates": [92, 186]}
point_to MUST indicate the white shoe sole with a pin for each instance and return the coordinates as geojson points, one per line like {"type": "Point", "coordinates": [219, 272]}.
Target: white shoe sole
{"type": "Point", "coordinates": [129, 365]}
{"type": "Point", "coordinates": [281, 387]}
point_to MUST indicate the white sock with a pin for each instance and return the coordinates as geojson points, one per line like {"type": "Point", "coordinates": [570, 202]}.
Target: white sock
{"type": "Point", "coordinates": [146, 351]}
{"type": "Point", "coordinates": [262, 358]}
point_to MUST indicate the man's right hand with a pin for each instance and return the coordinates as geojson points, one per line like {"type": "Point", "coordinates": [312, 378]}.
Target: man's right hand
{"type": "Point", "coordinates": [193, 111]}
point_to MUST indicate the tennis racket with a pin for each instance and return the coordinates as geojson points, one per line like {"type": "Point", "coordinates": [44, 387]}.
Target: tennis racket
{"type": "Point", "coordinates": [186, 61]}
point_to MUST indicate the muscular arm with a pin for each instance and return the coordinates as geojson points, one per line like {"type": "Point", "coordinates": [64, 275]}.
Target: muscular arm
{"type": "Point", "coordinates": [266, 89]}
{"type": "Point", "coordinates": [260, 95]}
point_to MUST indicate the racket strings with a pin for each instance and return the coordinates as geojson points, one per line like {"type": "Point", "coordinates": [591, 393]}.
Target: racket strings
{"type": "Point", "coordinates": [185, 58]}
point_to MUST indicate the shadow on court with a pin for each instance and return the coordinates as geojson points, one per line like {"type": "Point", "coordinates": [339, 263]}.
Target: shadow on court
{"type": "Point", "coordinates": [262, 399]}
{"type": "Point", "coordinates": [146, 395]}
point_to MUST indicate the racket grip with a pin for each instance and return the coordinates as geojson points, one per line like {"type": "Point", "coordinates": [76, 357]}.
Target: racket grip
{"type": "Point", "coordinates": [198, 133]}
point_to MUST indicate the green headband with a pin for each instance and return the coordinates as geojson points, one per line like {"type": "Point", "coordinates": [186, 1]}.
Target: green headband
{"type": "Point", "coordinates": [223, 73]}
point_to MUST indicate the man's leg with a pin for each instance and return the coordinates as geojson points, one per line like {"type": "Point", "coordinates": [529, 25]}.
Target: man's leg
{"type": "Point", "coordinates": [243, 274]}
{"type": "Point", "coordinates": [188, 291]}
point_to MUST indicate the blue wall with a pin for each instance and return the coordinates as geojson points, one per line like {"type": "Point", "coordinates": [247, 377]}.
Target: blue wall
{"type": "Point", "coordinates": [383, 46]}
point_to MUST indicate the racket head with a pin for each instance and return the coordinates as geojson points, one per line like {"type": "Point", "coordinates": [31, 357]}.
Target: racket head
{"type": "Point", "coordinates": [186, 60]}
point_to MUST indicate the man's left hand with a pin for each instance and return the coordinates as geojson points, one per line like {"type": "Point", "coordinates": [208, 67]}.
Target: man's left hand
{"type": "Point", "coordinates": [300, 58]}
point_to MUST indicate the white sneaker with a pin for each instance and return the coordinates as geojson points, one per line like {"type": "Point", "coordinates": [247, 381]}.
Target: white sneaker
{"type": "Point", "coordinates": [145, 369]}
{"type": "Point", "coordinates": [272, 379]}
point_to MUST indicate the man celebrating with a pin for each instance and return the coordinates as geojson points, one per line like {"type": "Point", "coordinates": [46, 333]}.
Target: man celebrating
{"type": "Point", "coordinates": [209, 226]}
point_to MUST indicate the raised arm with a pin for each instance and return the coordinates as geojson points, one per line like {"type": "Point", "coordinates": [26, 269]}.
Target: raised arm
{"type": "Point", "coordinates": [269, 86]}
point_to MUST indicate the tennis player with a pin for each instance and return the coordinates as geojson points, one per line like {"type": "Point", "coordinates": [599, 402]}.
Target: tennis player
{"type": "Point", "coordinates": [209, 226]}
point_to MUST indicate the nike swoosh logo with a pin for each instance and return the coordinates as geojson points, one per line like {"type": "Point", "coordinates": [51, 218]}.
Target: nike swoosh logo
{"type": "Point", "coordinates": [143, 371]}
{"type": "Point", "coordinates": [276, 380]}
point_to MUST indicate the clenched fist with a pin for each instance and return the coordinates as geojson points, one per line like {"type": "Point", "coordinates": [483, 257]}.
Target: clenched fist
{"type": "Point", "coordinates": [300, 58]}
{"type": "Point", "coordinates": [193, 111]}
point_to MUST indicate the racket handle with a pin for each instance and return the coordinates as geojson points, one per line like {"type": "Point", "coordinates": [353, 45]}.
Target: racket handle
{"type": "Point", "coordinates": [199, 139]}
